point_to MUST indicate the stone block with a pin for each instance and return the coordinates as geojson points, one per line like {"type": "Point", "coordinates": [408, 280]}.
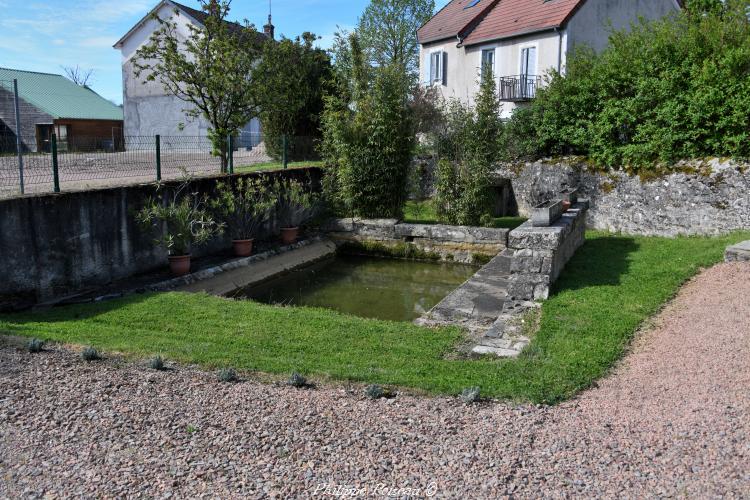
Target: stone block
{"type": "Point", "coordinates": [738, 253]}
{"type": "Point", "coordinates": [413, 230]}
{"type": "Point", "coordinates": [347, 225]}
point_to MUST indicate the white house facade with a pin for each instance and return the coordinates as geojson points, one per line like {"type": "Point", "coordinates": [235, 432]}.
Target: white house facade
{"type": "Point", "coordinates": [520, 40]}
{"type": "Point", "coordinates": [148, 108]}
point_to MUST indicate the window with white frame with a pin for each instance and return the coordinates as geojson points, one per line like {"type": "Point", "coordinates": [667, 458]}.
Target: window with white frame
{"type": "Point", "coordinates": [488, 61]}
{"type": "Point", "coordinates": [528, 61]}
{"type": "Point", "coordinates": [438, 70]}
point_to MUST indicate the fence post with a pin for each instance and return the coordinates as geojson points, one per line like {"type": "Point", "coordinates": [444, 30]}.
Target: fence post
{"type": "Point", "coordinates": [19, 144]}
{"type": "Point", "coordinates": [55, 170]}
{"type": "Point", "coordinates": [231, 153]}
{"type": "Point", "coordinates": [284, 159]}
{"type": "Point", "coordinates": [158, 157]}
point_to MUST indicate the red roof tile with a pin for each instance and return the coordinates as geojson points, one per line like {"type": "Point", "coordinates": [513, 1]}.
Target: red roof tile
{"type": "Point", "coordinates": [455, 18]}
{"type": "Point", "coordinates": [515, 17]}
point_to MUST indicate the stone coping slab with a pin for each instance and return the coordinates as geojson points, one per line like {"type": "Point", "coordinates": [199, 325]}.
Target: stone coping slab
{"type": "Point", "coordinates": [738, 253]}
{"type": "Point", "coordinates": [546, 238]}
{"type": "Point", "coordinates": [393, 229]}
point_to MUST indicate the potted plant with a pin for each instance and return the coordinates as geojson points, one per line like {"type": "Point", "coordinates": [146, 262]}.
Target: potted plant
{"type": "Point", "coordinates": [182, 222]}
{"type": "Point", "coordinates": [294, 206]}
{"type": "Point", "coordinates": [245, 207]}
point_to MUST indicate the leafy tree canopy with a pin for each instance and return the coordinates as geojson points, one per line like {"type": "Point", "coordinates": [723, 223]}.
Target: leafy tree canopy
{"type": "Point", "coordinates": [289, 83]}
{"type": "Point", "coordinates": [388, 32]}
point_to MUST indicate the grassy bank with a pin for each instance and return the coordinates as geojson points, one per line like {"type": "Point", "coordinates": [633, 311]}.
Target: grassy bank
{"type": "Point", "coordinates": [423, 212]}
{"type": "Point", "coordinates": [609, 288]}
{"type": "Point", "coordinates": [273, 165]}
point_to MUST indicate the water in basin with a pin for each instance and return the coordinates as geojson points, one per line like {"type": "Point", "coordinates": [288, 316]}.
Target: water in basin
{"type": "Point", "coordinates": [369, 287]}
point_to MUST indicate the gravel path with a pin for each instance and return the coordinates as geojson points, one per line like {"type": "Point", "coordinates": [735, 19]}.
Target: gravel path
{"type": "Point", "coordinates": [673, 420]}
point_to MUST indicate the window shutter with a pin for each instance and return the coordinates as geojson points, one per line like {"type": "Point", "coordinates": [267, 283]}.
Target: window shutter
{"type": "Point", "coordinates": [444, 67]}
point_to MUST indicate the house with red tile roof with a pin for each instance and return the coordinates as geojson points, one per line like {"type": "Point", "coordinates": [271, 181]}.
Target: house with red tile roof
{"type": "Point", "coordinates": [519, 40]}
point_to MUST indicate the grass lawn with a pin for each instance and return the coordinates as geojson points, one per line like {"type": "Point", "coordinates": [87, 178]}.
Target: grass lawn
{"type": "Point", "coordinates": [423, 212]}
{"type": "Point", "coordinates": [271, 165]}
{"type": "Point", "coordinates": [609, 288]}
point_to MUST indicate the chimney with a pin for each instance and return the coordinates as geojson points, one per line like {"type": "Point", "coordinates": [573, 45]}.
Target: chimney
{"type": "Point", "coordinates": [268, 29]}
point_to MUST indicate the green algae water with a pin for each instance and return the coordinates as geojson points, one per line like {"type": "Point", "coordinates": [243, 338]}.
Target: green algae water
{"type": "Point", "coordinates": [368, 287]}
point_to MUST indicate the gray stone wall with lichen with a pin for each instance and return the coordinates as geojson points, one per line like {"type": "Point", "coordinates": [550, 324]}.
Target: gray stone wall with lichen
{"type": "Point", "coordinates": [701, 198]}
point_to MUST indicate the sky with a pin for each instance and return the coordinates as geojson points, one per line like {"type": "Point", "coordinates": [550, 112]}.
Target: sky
{"type": "Point", "coordinates": [45, 35]}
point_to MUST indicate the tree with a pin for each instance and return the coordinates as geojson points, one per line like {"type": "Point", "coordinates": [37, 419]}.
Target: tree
{"type": "Point", "coordinates": [289, 82]}
{"type": "Point", "coordinates": [78, 75]}
{"type": "Point", "coordinates": [210, 70]}
{"type": "Point", "coordinates": [388, 32]}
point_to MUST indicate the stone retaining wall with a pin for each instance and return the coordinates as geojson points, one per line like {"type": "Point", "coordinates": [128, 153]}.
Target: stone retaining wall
{"type": "Point", "coordinates": [713, 197]}
{"type": "Point", "coordinates": [454, 243]}
{"type": "Point", "coordinates": [537, 255]}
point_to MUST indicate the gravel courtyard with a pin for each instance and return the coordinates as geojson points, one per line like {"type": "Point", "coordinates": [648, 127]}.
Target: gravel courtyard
{"type": "Point", "coordinates": [673, 420]}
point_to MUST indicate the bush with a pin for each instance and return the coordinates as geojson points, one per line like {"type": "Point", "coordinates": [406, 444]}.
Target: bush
{"type": "Point", "coordinates": [669, 89]}
{"type": "Point", "coordinates": [470, 395]}
{"type": "Point", "coordinates": [90, 354]}
{"type": "Point", "coordinates": [470, 147]}
{"type": "Point", "coordinates": [369, 141]}
{"type": "Point", "coordinates": [156, 363]}
{"type": "Point", "coordinates": [35, 346]}
{"type": "Point", "coordinates": [297, 380]}
{"type": "Point", "coordinates": [227, 375]}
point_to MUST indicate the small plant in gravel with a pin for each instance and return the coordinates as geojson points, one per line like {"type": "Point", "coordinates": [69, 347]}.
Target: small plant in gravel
{"type": "Point", "coordinates": [375, 392]}
{"type": "Point", "coordinates": [470, 395]}
{"type": "Point", "coordinates": [90, 354]}
{"type": "Point", "coordinates": [297, 380]}
{"type": "Point", "coordinates": [157, 363]}
{"type": "Point", "coordinates": [227, 375]}
{"type": "Point", "coordinates": [35, 345]}
{"type": "Point", "coordinates": [191, 429]}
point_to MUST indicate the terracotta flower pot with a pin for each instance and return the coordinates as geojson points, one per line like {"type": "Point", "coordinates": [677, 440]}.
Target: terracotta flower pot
{"type": "Point", "coordinates": [289, 235]}
{"type": "Point", "coordinates": [566, 205]}
{"type": "Point", "coordinates": [179, 264]}
{"type": "Point", "coordinates": [243, 248]}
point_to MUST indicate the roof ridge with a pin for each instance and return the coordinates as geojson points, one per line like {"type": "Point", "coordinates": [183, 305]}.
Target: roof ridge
{"type": "Point", "coordinates": [33, 72]}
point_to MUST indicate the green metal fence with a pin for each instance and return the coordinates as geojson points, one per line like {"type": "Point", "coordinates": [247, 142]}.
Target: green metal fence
{"type": "Point", "coordinates": [83, 163]}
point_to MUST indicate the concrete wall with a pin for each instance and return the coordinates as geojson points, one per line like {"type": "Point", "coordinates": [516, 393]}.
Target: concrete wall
{"type": "Point", "coordinates": [706, 198]}
{"type": "Point", "coordinates": [593, 22]}
{"type": "Point", "coordinates": [148, 108]}
{"type": "Point", "coordinates": [52, 245]}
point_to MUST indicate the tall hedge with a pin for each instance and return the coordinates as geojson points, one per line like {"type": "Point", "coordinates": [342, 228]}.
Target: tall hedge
{"type": "Point", "coordinates": [369, 141]}
{"type": "Point", "coordinates": [669, 89]}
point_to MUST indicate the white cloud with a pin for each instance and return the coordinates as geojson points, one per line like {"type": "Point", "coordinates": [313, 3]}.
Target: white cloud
{"type": "Point", "coordinates": [98, 42]}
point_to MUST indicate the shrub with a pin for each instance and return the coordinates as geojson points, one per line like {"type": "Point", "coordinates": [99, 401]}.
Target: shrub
{"type": "Point", "coordinates": [471, 145]}
{"type": "Point", "coordinates": [186, 218]}
{"type": "Point", "coordinates": [369, 140]}
{"type": "Point", "coordinates": [90, 354]}
{"type": "Point", "coordinates": [669, 89]}
{"type": "Point", "coordinates": [227, 375]}
{"type": "Point", "coordinates": [156, 363]}
{"type": "Point", "coordinates": [294, 204]}
{"type": "Point", "coordinates": [297, 380]}
{"type": "Point", "coordinates": [244, 206]}
{"type": "Point", "coordinates": [35, 345]}
{"type": "Point", "coordinates": [470, 395]}
{"type": "Point", "coordinates": [374, 392]}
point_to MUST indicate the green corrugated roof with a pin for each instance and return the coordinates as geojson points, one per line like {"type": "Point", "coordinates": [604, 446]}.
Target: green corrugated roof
{"type": "Point", "coordinates": [59, 97]}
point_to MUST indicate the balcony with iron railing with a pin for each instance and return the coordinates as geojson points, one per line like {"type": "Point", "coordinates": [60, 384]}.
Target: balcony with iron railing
{"type": "Point", "coordinates": [518, 88]}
